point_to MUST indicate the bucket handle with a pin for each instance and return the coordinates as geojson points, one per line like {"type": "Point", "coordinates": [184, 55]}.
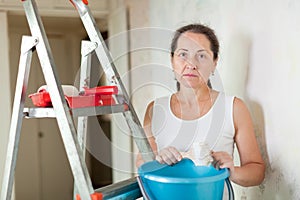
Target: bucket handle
{"type": "Point", "coordinates": [230, 189]}
{"type": "Point", "coordinates": [142, 188]}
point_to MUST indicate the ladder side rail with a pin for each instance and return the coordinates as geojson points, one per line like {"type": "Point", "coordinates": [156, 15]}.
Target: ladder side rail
{"type": "Point", "coordinates": [27, 46]}
{"type": "Point", "coordinates": [113, 76]}
{"type": "Point", "coordinates": [60, 106]}
{"type": "Point", "coordinates": [87, 48]}
{"type": "Point", "coordinates": [84, 81]}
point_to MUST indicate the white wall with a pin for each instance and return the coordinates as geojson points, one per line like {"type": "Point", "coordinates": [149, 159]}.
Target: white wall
{"type": "Point", "coordinates": [259, 62]}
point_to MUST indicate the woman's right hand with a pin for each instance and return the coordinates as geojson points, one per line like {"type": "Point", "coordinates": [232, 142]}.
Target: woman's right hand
{"type": "Point", "coordinates": [169, 155]}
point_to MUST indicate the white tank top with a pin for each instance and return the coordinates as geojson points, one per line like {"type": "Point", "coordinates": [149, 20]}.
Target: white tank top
{"type": "Point", "coordinates": [215, 128]}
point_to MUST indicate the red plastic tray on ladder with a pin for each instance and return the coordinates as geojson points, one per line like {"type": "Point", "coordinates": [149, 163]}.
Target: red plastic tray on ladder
{"type": "Point", "coordinates": [91, 97]}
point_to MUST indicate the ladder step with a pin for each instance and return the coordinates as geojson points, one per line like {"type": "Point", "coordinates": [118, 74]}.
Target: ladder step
{"type": "Point", "coordinates": [76, 112]}
{"type": "Point", "coordinates": [127, 189]}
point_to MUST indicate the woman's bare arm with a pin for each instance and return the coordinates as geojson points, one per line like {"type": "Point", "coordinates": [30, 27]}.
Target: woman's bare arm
{"type": "Point", "coordinates": [252, 169]}
{"type": "Point", "coordinates": [148, 132]}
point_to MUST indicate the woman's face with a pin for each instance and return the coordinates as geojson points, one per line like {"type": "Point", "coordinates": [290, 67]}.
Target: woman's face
{"type": "Point", "coordinates": [193, 60]}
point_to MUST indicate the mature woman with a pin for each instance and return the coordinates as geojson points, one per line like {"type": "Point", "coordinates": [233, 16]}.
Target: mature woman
{"type": "Point", "coordinates": [198, 114]}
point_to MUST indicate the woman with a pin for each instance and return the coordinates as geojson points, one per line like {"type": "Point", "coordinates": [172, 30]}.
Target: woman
{"type": "Point", "coordinates": [197, 114]}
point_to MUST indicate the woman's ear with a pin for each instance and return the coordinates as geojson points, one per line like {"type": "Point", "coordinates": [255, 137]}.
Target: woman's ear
{"type": "Point", "coordinates": [215, 64]}
{"type": "Point", "coordinates": [172, 61]}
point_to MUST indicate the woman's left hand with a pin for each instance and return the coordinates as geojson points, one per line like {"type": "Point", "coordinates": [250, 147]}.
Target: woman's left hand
{"type": "Point", "coordinates": [223, 160]}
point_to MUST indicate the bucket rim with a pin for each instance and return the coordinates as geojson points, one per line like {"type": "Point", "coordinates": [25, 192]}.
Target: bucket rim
{"type": "Point", "coordinates": [191, 180]}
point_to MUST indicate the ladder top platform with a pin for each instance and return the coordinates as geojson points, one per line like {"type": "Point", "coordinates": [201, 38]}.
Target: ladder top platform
{"type": "Point", "coordinates": [38, 112]}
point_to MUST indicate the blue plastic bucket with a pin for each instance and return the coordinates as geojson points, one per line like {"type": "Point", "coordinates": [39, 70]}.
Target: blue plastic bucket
{"type": "Point", "coordinates": [183, 180]}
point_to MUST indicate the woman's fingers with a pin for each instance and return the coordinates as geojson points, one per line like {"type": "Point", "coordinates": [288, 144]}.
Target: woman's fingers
{"type": "Point", "coordinates": [159, 159]}
{"type": "Point", "coordinates": [176, 154]}
{"type": "Point", "coordinates": [169, 155]}
{"type": "Point", "coordinates": [222, 160]}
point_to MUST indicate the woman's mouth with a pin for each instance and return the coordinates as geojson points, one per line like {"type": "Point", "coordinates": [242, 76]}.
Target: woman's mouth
{"type": "Point", "coordinates": [190, 75]}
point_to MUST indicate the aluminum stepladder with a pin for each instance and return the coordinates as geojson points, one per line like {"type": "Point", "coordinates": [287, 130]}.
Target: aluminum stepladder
{"type": "Point", "coordinates": [113, 76]}
{"type": "Point", "coordinates": [39, 42]}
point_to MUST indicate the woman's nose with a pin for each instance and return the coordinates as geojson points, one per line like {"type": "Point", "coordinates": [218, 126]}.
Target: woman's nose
{"type": "Point", "coordinates": [191, 65]}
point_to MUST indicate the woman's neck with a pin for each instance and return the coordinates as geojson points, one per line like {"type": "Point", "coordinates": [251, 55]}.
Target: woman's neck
{"type": "Point", "coordinates": [190, 96]}
{"type": "Point", "coordinates": [191, 104]}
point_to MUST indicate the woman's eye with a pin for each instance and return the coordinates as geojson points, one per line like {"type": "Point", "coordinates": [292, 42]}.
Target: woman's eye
{"type": "Point", "coordinates": [202, 56]}
{"type": "Point", "coordinates": [182, 54]}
